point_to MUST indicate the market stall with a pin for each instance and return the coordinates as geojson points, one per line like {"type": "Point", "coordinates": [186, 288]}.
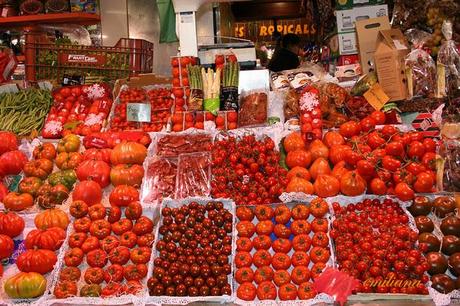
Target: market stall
{"type": "Point", "coordinates": [229, 183]}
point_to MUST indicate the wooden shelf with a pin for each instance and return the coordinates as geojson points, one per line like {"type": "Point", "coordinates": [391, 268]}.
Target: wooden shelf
{"type": "Point", "coordinates": [32, 20]}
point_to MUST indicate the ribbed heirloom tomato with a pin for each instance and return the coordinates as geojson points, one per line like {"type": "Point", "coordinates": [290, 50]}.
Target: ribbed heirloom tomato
{"type": "Point", "coordinates": [282, 231]}
{"type": "Point", "coordinates": [243, 275]}
{"type": "Point", "coordinates": [266, 291]}
{"type": "Point", "coordinates": [261, 258]}
{"type": "Point", "coordinates": [263, 274]}
{"type": "Point", "coordinates": [287, 292]}
{"type": "Point", "coordinates": [246, 292]}
{"type": "Point", "coordinates": [244, 244]}
{"type": "Point", "coordinates": [300, 227]}
{"type": "Point", "coordinates": [262, 242]}
{"type": "Point", "coordinates": [281, 261]}
{"type": "Point", "coordinates": [265, 227]}
{"type": "Point", "coordinates": [281, 277]}
{"type": "Point", "coordinates": [282, 245]}
{"type": "Point", "coordinates": [264, 212]}
{"type": "Point", "coordinates": [70, 274]}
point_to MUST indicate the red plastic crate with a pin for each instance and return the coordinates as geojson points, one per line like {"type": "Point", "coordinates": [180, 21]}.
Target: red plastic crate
{"type": "Point", "coordinates": [46, 60]}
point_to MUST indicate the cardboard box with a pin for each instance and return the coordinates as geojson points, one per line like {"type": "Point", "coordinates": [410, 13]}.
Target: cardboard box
{"type": "Point", "coordinates": [347, 43]}
{"type": "Point", "coordinates": [141, 81]}
{"type": "Point", "coordinates": [346, 19]}
{"type": "Point", "coordinates": [367, 32]}
{"type": "Point", "coordinates": [349, 4]}
{"type": "Point", "coordinates": [389, 57]}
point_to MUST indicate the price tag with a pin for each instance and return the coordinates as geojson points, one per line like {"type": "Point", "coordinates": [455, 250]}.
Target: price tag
{"type": "Point", "coordinates": [9, 88]}
{"type": "Point", "coordinates": [376, 96]}
{"type": "Point", "coordinates": [138, 112]}
{"type": "Point", "coordinates": [45, 85]}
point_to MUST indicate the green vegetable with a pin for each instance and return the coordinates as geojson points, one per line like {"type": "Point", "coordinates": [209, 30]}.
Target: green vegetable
{"type": "Point", "coordinates": [25, 111]}
{"type": "Point", "coordinates": [64, 177]}
{"type": "Point", "coordinates": [283, 155]}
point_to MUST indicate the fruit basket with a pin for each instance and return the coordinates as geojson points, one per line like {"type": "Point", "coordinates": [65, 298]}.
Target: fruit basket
{"type": "Point", "coordinates": [292, 238]}
{"type": "Point", "coordinates": [47, 60]}
{"type": "Point", "coordinates": [193, 268]}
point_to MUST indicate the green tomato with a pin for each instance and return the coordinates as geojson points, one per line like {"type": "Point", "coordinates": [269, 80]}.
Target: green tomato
{"type": "Point", "coordinates": [25, 285]}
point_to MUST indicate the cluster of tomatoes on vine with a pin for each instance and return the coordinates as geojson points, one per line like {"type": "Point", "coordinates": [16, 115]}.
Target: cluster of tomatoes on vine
{"type": "Point", "coordinates": [391, 161]}
{"type": "Point", "coordinates": [247, 170]}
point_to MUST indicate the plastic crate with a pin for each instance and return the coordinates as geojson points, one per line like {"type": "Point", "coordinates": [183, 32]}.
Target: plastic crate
{"type": "Point", "coordinates": [46, 60]}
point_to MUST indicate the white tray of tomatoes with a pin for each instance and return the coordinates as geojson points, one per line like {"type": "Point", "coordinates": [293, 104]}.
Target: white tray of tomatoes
{"type": "Point", "coordinates": [384, 228]}
{"type": "Point", "coordinates": [280, 249]}
{"type": "Point", "coordinates": [105, 256]}
{"type": "Point", "coordinates": [29, 247]}
{"type": "Point", "coordinates": [193, 254]}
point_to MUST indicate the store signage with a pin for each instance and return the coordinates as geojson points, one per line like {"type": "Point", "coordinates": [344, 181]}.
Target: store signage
{"type": "Point", "coordinates": [265, 29]}
{"type": "Point", "coordinates": [82, 59]}
{"type": "Point", "coordinates": [138, 112]}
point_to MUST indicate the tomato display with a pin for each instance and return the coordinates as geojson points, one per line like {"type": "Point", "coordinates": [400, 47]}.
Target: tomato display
{"type": "Point", "coordinates": [373, 240]}
{"type": "Point", "coordinates": [247, 170]}
{"type": "Point", "coordinates": [106, 255]}
{"type": "Point", "coordinates": [80, 109]}
{"type": "Point", "coordinates": [277, 250]}
{"type": "Point", "coordinates": [160, 101]}
{"type": "Point", "coordinates": [363, 158]}
{"type": "Point", "coordinates": [197, 257]}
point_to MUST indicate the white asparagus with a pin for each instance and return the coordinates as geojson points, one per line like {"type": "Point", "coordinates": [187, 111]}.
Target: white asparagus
{"type": "Point", "coordinates": [205, 82]}
{"type": "Point", "coordinates": [210, 82]}
{"type": "Point", "coordinates": [216, 84]}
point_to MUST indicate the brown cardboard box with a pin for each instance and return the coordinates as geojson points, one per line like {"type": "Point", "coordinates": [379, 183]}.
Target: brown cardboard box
{"type": "Point", "coordinates": [140, 81]}
{"type": "Point", "coordinates": [389, 57]}
{"type": "Point", "coordinates": [367, 32]}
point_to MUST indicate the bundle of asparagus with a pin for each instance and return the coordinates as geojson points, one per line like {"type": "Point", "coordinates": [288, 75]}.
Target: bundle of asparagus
{"type": "Point", "coordinates": [196, 88]}
{"type": "Point", "coordinates": [229, 99]}
{"type": "Point", "coordinates": [231, 73]}
{"type": "Point", "coordinates": [211, 89]}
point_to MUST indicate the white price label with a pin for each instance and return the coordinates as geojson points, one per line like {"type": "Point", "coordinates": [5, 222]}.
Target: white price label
{"type": "Point", "coordinates": [138, 112]}
{"type": "Point", "coordinates": [9, 88]}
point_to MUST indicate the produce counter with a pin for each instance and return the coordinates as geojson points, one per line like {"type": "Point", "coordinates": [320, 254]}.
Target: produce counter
{"type": "Point", "coordinates": [138, 199]}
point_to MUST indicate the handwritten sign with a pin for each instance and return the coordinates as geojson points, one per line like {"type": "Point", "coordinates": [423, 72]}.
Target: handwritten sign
{"type": "Point", "coordinates": [138, 112]}
{"type": "Point", "coordinates": [376, 96]}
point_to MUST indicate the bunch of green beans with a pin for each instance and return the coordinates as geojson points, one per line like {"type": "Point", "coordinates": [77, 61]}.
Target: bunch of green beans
{"type": "Point", "coordinates": [24, 111]}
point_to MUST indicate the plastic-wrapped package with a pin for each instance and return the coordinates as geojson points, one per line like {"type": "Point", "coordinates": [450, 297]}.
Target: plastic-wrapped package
{"type": "Point", "coordinates": [279, 81]}
{"type": "Point", "coordinates": [160, 179]}
{"type": "Point", "coordinates": [311, 114]}
{"type": "Point", "coordinates": [291, 104]}
{"type": "Point", "coordinates": [172, 145]}
{"type": "Point", "coordinates": [253, 107]}
{"type": "Point", "coordinates": [275, 106]}
{"type": "Point", "coordinates": [448, 68]}
{"type": "Point", "coordinates": [193, 175]}
{"type": "Point", "coordinates": [420, 67]}
{"type": "Point", "coordinates": [407, 13]}
{"type": "Point", "coordinates": [449, 150]}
